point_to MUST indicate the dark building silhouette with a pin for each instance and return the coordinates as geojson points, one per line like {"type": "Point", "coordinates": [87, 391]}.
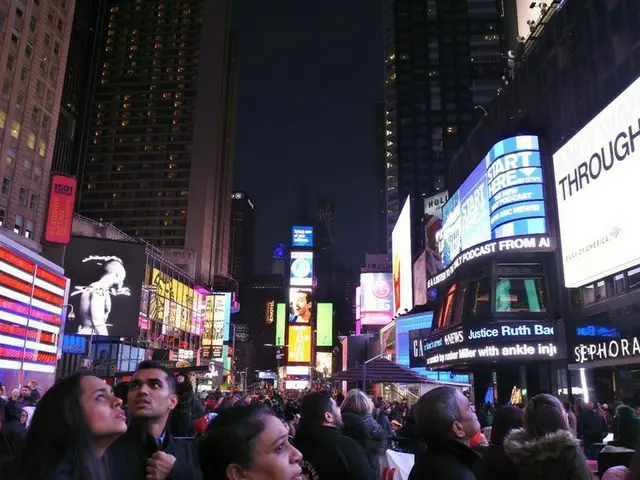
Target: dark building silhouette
{"type": "Point", "coordinates": [444, 62]}
{"type": "Point", "coordinates": [381, 184]}
{"type": "Point", "coordinates": [160, 161]}
{"type": "Point", "coordinates": [323, 240]}
{"type": "Point", "coordinates": [242, 237]}
{"type": "Point", "coordinates": [74, 123]}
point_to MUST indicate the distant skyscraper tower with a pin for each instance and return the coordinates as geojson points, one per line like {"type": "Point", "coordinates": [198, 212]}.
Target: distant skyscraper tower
{"type": "Point", "coordinates": [242, 237]}
{"type": "Point", "coordinates": [323, 234]}
{"type": "Point", "coordinates": [34, 58]}
{"type": "Point", "coordinates": [160, 162]}
{"type": "Point", "coordinates": [444, 62]}
{"type": "Point", "coordinates": [74, 125]}
{"type": "Point", "coordinates": [380, 176]}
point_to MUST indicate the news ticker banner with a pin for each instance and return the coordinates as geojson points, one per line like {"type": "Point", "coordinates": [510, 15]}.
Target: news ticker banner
{"type": "Point", "coordinates": [526, 340]}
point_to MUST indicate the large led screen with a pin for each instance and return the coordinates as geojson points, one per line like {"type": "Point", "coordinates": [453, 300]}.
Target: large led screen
{"type": "Point", "coordinates": [376, 298]}
{"type": "Point", "coordinates": [301, 269]}
{"type": "Point", "coordinates": [420, 280]}
{"type": "Point", "coordinates": [302, 236]}
{"type": "Point", "coordinates": [503, 197]}
{"type": "Point", "coordinates": [300, 305]}
{"type": "Point", "coordinates": [324, 325]}
{"type": "Point", "coordinates": [402, 264]}
{"type": "Point", "coordinates": [600, 164]}
{"type": "Point", "coordinates": [106, 284]}
{"type": "Point", "coordinates": [299, 345]}
{"type": "Point", "coordinates": [281, 323]}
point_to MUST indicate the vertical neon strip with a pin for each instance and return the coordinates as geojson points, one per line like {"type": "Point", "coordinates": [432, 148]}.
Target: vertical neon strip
{"type": "Point", "coordinates": [281, 321]}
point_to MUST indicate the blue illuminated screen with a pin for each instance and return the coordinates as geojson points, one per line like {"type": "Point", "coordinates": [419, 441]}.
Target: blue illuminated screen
{"type": "Point", "coordinates": [302, 236]}
{"type": "Point", "coordinates": [503, 197]}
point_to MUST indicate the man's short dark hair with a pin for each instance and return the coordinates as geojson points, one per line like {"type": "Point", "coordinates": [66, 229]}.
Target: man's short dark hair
{"type": "Point", "coordinates": [314, 406]}
{"type": "Point", "coordinates": [308, 294]}
{"type": "Point", "coordinates": [151, 365]}
{"type": "Point", "coordinates": [435, 412]}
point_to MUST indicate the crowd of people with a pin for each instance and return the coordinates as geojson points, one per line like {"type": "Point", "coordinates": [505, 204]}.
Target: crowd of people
{"type": "Point", "coordinates": [155, 428]}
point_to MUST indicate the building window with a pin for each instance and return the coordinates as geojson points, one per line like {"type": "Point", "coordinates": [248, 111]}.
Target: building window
{"type": "Point", "coordinates": [28, 50]}
{"type": "Point", "coordinates": [42, 148]}
{"type": "Point", "coordinates": [24, 194]}
{"type": "Point", "coordinates": [28, 231]}
{"type": "Point", "coordinates": [15, 35]}
{"type": "Point", "coordinates": [20, 101]}
{"type": "Point", "coordinates": [24, 74]}
{"type": "Point", "coordinates": [619, 284]}
{"type": "Point", "coordinates": [49, 100]}
{"type": "Point", "coordinates": [47, 40]}
{"type": "Point", "coordinates": [35, 117]}
{"type": "Point", "coordinates": [46, 121]}
{"type": "Point", "coordinates": [40, 88]}
{"type": "Point", "coordinates": [11, 62]}
{"type": "Point", "coordinates": [3, 214]}
{"type": "Point", "coordinates": [56, 48]}
{"type": "Point", "coordinates": [3, 118]}
{"type": "Point", "coordinates": [15, 129]}
{"type": "Point", "coordinates": [33, 23]}
{"type": "Point", "coordinates": [33, 202]}
{"type": "Point", "coordinates": [11, 161]}
{"type": "Point", "coordinates": [37, 173]}
{"type": "Point", "coordinates": [515, 294]}
{"type": "Point", "coordinates": [53, 73]}
{"type": "Point", "coordinates": [17, 226]}
{"type": "Point", "coordinates": [6, 186]}
{"type": "Point", "coordinates": [60, 27]}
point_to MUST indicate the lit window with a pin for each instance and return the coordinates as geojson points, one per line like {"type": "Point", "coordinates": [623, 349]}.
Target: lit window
{"type": "Point", "coordinates": [15, 129]}
{"type": "Point", "coordinates": [3, 118]}
{"type": "Point", "coordinates": [33, 202]}
{"type": "Point", "coordinates": [28, 231]}
{"type": "Point", "coordinates": [24, 194]}
{"type": "Point", "coordinates": [37, 173]}
{"type": "Point", "coordinates": [6, 186]}
{"type": "Point", "coordinates": [42, 148]}
{"type": "Point", "coordinates": [17, 226]}
{"type": "Point", "coordinates": [3, 215]}
{"type": "Point", "coordinates": [31, 141]}
{"type": "Point", "coordinates": [10, 161]}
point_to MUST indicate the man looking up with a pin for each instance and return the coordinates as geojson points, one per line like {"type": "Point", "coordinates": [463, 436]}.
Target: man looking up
{"type": "Point", "coordinates": [147, 450]}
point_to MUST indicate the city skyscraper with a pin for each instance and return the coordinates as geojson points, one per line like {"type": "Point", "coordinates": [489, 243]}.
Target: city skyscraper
{"type": "Point", "coordinates": [74, 124]}
{"type": "Point", "coordinates": [380, 178]}
{"type": "Point", "coordinates": [443, 64]}
{"type": "Point", "coordinates": [32, 67]}
{"type": "Point", "coordinates": [160, 162]}
{"type": "Point", "coordinates": [242, 237]}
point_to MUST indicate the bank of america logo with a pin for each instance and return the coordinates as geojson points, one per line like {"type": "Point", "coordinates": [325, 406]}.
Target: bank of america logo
{"type": "Point", "coordinates": [615, 232]}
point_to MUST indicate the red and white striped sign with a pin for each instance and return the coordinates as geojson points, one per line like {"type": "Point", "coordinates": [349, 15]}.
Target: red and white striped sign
{"type": "Point", "coordinates": [31, 300]}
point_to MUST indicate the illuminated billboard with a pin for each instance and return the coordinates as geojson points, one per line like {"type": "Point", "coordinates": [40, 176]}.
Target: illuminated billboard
{"type": "Point", "coordinates": [420, 280]}
{"type": "Point", "coordinates": [221, 317]}
{"type": "Point", "coordinates": [299, 346]}
{"type": "Point", "coordinates": [324, 363]}
{"type": "Point", "coordinates": [601, 162]}
{"type": "Point", "coordinates": [106, 286]}
{"type": "Point", "coordinates": [62, 199]}
{"type": "Point", "coordinates": [301, 269]}
{"type": "Point", "coordinates": [376, 298]}
{"type": "Point", "coordinates": [433, 204]}
{"type": "Point", "coordinates": [402, 262]}
{"type": "Point", "coordinates": [302, 236]}
{"type": "Point", "coordinates": [503, 197]}
{"type": "Point", "coordinates": [281, 323]}
{"type": "Point", "coordinates": [324, 326]}
{"type": "Point", "coordinates": [31, 300]}
{"type": "Point", "coordinates": [300, 305]}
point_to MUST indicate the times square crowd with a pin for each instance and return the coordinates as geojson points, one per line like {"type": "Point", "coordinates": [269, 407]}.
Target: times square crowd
{"type": "Point", "coordinates": [154, 427]}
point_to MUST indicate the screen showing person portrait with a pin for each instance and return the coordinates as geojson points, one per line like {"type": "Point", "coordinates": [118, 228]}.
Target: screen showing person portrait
{"type": "Point", "coordinates": [301, 304]}
{"type": "Point", "coordinates": [106, 286]}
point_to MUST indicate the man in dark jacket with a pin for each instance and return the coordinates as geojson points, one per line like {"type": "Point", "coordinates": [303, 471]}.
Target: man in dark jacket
{"type": "Point", "coordinates": [188, 410]}
{"type": "Point", "coordinates": [447, 422]}
{"type": "Point", "coordinates": [147, 450]}
{"type": "Point", "coordinates": [592, 428]}
{"type": "Point", "coordinates": [13, 432]}
{"type": "Point", "coordinates": [327, 453]}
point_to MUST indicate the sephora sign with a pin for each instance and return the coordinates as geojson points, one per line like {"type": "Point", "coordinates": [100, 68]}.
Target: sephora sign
{"type": "Point", "coordinates": [601, 160]}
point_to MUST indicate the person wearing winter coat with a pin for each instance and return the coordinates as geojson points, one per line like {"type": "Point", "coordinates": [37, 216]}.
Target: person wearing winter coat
{"type": "Point", "coordinates": [496, 465]}
{"type": "Point", "coordinates": [13, 433]}
{"type": "Point", "coordinates": [545, 449]}
{"type": "Point", "coordinates": [358, 404]}
{"type": "Point", "coordinates": [187, 412]}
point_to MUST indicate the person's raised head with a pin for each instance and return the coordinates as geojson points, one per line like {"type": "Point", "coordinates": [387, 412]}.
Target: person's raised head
{"type": "Point", "coordinates": [507, 418]}
{"type": "Point", "coordinates": [543, 415]}
{"type": "Point", "coordinates": [320, 409]}
{"type": "Point", "coordinates": [357, 402]}
{"type": "Point", "coordinates": [248, 442]}
{"type": "Point", "coordinates": [152, 392]}
{"type": "Point", "coordinates": [445, 413]}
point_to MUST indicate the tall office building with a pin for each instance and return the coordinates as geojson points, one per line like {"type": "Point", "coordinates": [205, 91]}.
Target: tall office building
{"type": "Point", "coordinates": [33, 55]}
{"type": "Point", "coordinates": [443, 64]}
{"type": "Point", "coordinates": [74, 123]}
{"type": "Point", "coordinates": [243, 224]}
{"type": "Point", "coordinates": [380, 178]}
{"type": "Point", "coordinates": [160, 162]}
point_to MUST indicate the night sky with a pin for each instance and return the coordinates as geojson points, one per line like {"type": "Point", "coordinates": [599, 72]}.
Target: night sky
{"type": "Point", "coordinates": [310, 74]}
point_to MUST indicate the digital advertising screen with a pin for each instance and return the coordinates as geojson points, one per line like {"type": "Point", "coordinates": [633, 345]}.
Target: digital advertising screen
{"type": "Point", "coordinates": [376, 298]}
{"type": "Point", "coordinates": [299, 346]}
{"type": "Point", "coordinates": [433, 204]}
{"type": "Point", "coordinates": [301, 305]}
{"type": "Point", "coordinates": [324, 325]}
{"type": "Point", "coordinates": [221, 317]}
{"type": "Point", "coordinates": [420, 280]}
{"type": "Point", "coordinates": [62, 199]}
{"type": "Point", "coordinates": [302, 236]}
{"type": "Point", "coordinates": [432, 221]}
{"type": "Point", "coordinates": [301, 269]}
{"type": "Point", "coordinates": [106, 286]}
{"type": "Point", "coordinates": [324, 363]}
{"type": "Point", "coordinates": [281, 323]}
{"type": "Point", "coordinates": [601, 161]}
{"type": "Point", "coordinates": [502, 198]}
{"type": "Point", "coordinates": [402, 261]}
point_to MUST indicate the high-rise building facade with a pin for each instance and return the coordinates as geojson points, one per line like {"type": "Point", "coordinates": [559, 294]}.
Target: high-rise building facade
{"type": "Point", "coordinates": [443, 64]}
{"type": "Point", "coordinates": [33, 55]}
{"type": "Point", "coordinates": [74, 124]}
{"type": "Point", "coordinates": [242, 237]}
{"type": "Point", "coordinates": [160, 160]}
{"type": "Point", "coordinates": [380, 178]}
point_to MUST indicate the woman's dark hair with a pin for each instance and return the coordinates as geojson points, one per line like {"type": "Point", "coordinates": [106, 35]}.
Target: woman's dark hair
{"type": "Point", "coordinates": [544, 414]}
{"type": "Point", "coordinates": [122, 391]}
{"type": "Point", "coordinates": [60, 433]}
{"type": "Point", "coordinates": [506, 419]}
{"type": "Point", "coordinates": [229, 439]}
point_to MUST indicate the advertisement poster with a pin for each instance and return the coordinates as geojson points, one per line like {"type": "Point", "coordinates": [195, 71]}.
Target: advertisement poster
{"type": "Point", "coordinates": [300, 305]}
{"type": "Point", "coordinates": [601, 161]}
{"type": "Point", "coordinates": [474, 208]}
{"type": "Point", "coordinates": [301, 269]}
{"type": "Point", "coordinates": [420, 280]}
{"type": "Point", "coordinates": [402, 261]}
{"type": "Point", "coordinates": [376, 297]}
{"type": "Point", "coordinates": [299, 348]}
{"type": "Point", "coordinates": [62, 199]}
{"type": "Point", "coordinates": [302, 236]}
{"type": "Point", "coordinates": [106, 286]}
{"type": "Point", "coordinates": [449, 238]}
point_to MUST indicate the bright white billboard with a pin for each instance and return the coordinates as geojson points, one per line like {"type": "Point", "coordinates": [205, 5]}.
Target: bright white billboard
{"type": "Point", "coordinates": [301, 269]}
{"type": "Point", "coordinates": [600, 164]}
{"type": "Point", "coordinates": [376, 298]}
{"type": "Point", "coordinates": [402, 265]}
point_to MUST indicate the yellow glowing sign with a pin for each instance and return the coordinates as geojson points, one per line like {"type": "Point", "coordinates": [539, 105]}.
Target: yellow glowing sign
{"type": "Point", "coordinates": [299, 346]}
